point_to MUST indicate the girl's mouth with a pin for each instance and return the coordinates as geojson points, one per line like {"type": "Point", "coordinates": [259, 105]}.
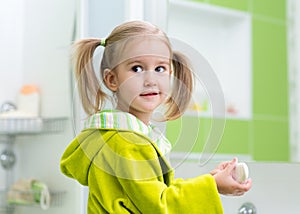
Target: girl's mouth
{"type": "Point", "coordinates": [149, 94]}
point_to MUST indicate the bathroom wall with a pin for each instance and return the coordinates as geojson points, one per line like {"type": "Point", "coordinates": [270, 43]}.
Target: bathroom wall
{"type": "Point", "coordinates": [35, 40]}
{"type": "Point", "coordinates": [294, 76]}
{"type": "Point", "coordinates": [265, 136]}
{"type": "Point", "coordinates": [47, 36]}
{"type": "Point", "coordinates": [11, 42]}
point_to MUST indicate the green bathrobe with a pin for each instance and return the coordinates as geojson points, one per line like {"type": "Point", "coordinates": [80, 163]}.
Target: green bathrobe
{"type": "Point", "coordinates": [122, 162]}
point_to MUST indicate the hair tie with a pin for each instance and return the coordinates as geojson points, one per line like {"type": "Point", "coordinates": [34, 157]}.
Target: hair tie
{"type": "Point", "coordinates": [102, 42]}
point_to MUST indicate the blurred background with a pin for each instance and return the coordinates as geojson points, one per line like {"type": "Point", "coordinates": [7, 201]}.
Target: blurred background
{"type": "Point", "coordinates": [252, 46]}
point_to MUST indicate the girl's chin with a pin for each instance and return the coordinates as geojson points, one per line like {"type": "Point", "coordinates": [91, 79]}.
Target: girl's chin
{"type": "Point", "coordinates": [146, 108]}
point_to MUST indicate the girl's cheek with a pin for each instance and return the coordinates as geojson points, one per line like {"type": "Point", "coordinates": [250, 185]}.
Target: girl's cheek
{"type": "Point", "coordinates": [166, 86]}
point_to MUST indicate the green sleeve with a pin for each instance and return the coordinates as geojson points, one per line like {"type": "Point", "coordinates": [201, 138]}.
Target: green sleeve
{"type": "Point", "coordinates": [197, 195]}
{"type": "Point", "coordinates": [149, 184]}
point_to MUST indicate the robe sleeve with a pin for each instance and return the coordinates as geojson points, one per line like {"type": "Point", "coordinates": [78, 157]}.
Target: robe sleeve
{"type": "Point", "coordinates": [151, 187]}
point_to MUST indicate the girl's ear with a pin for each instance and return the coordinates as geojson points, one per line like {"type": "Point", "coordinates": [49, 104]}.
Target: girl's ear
{"type": "Point", "coordinates": [110, 80]}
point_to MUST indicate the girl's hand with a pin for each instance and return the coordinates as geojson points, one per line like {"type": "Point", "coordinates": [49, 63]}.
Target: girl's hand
{"type": "Point", "coordinates": [225, 183]}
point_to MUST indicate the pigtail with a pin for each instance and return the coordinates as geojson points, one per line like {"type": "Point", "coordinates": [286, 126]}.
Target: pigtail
{"type": "Point", "coordinates": [90, 92]}
{"type": "Point", "coordinates": [182, 87]}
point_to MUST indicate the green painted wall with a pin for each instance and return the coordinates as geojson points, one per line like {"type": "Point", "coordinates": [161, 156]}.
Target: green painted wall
{"type": "Point", "coordinates": [266, 136]}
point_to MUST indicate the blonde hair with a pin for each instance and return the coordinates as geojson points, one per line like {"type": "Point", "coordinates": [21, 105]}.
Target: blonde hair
{"type": "Point", "coordinates": [92, 95]}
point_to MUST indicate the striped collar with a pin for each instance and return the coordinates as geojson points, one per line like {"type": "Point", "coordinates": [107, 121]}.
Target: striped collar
{"type": "Point", "coordinates": [113, 119]}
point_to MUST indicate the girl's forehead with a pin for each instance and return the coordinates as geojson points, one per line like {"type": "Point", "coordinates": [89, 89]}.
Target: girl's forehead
{"type": "Point", "coordinates": [145, 46]}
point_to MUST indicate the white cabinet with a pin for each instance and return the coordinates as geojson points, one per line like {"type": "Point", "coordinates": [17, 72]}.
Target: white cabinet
{"type": "Point", "coordinates": [222, 37]}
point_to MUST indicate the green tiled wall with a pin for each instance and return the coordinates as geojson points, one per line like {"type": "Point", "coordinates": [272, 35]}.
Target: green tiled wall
{"type": "Point", "coordinates": [269, 8]}
{"type": "Point", "coordinates": [270, 139]}
{"type": "Point", "coordinates": [266, 136]}
{"type": "Point", "coordinates": [242, 5]}
{"type": "Point", "coordinates": [192, 133]}
{"type": "Point", "coordinates": [269, 69]}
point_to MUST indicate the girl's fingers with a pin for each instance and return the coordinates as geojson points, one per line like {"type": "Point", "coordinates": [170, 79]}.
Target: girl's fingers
{"type": "Point", "coordinates": [234, 160]}
{"type": "Point", "coordinates": [215, 171]}
{"type": "Point", "coordinates": [248, 185]}
{"type": "Point", "coordinates": [231, 165]}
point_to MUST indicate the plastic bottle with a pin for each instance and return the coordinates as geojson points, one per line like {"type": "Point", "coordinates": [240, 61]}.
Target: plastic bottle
{"type": "Point", "coordinates": [29, 101]}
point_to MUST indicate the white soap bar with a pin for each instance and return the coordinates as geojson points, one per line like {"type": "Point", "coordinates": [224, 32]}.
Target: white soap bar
{"type": "Point", "coordinates": [241, 172]}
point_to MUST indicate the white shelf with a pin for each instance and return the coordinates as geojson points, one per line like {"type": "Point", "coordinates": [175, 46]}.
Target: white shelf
{"type": "Point", "coordinates": [16, 126]}
{"type": "Point", "coordinates": [9, 128]}
{"type": "Point", "coordinates": [57, 198]}
{"type": "Point", "coordinates": [222, 37]}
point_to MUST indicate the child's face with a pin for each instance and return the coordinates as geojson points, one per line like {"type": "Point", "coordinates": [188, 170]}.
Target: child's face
{"type": "Point", "coordinates": [143, 78]}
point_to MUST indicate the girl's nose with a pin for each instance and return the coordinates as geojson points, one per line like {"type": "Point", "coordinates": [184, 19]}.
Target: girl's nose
{"type": "Point", "coordinates": [149, 78]}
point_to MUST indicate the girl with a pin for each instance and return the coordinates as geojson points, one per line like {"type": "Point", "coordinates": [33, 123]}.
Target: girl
{"type": "Point", "coordinates": [119, 154]}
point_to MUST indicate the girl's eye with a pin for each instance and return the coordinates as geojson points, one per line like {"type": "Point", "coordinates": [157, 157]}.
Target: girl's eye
{"type": "Point", "coordinates": [137, 68]}
{"type": "Point", "coordinates": [160, 69]}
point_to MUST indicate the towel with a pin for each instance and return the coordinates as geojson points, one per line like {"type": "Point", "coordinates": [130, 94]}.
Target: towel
{"type": "Point", "coordinates": [29, 192]}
